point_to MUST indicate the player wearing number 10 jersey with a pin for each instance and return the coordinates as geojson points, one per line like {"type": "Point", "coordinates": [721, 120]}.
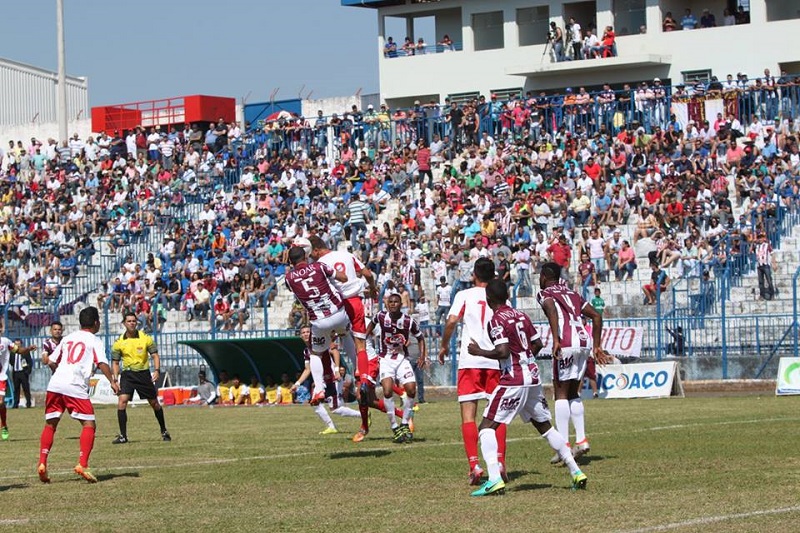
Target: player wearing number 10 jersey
{"type": "Point", "coordinates": [73, 362]}
{"type": "Point", "coordinates": [515, 343]}
{"type": "Point", "coordinates": [477, 376]}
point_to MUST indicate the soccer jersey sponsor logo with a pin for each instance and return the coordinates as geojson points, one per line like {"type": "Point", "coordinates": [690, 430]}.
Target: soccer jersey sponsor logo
{"type": "Point", "coordinates": [509, 404]}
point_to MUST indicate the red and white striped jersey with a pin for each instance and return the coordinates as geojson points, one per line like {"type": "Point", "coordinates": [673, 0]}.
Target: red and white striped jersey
{"type": "Point", "coordinates": [311, 285]}
{"type": "Point", "coordinates": [569, 305]}
{"type": "Point", "coordinates": [395, 334]}
{"type": "Point", "coordinates": [509, 326]}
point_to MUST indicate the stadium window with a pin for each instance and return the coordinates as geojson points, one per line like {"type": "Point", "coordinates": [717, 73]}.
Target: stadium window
{"type": "Point", "coordinates": [488, 30]}
{"type": "Point", "coordinates": [507, 94]}
{"type": "Point", "coordinates": [630, 17]}
{"type": "Point", "coordinates": [691, 76]}
{"type": "Point", "coordinates": [782, 10]}
{"type": "Point", "coordinates": [533, 23]}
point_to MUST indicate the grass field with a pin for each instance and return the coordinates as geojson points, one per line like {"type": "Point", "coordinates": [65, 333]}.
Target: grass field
{"type": "Point", "coordinates": [694, 464]}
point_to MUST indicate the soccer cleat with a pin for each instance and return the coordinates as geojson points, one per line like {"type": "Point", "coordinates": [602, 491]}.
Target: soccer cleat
{"type": "Point", "coordinates": [581, 449]}
{"type": "Point", "coordinates": [555, 460]}
{"type": "Point", "coordinates": [399, 436]}
{"type": "Point", "coordinates": [121, 439]}
{"type": "Point", "coordinates": [4, 433]}
{"type": "Point", "coordinates": [416, 407]}
{"type": "Point", "coordinates": [329, 431]}
{"type": "Point", "coordinates": [475, 475]}
{"type": "Point", "coordinates": [579, 481]}
{"type": "Point", "coordinates": [491, 487]}
{"type": "Point", "coordinates": [409, 435]}
{"type": "Point", "coordinates": [318, 398]}
{"type": "Point", "coordinates": [503, 473]}
{"type": "Point", "coordinates": [165, 437]}
{"type": "Point", "coordinates": [85, 474]}
{"type": "Point", "coordinates": [42, 471]}
{"type": "Point", "coordinates": [411, 424]}
{"type": "Point", "coordinates": [360, 436]}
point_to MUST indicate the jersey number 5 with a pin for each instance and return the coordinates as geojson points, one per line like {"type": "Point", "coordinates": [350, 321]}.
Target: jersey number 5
{"type": "Point", "coordinates": [312, 291]}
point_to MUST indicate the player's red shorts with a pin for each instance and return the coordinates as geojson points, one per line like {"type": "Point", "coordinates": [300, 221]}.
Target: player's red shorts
{"type": "Point", "coordinates": [78, 408]}
{"type": "Point", "coordinates": [374, 368]}
{"type": "Point", "coordinates": [476, 383]}
{"type": "Point", "coordinates": [354, 308]}
{"type": "Point", "coordinates": [591, 370]}
{"type": "Point", "coordinates": [3, 385]}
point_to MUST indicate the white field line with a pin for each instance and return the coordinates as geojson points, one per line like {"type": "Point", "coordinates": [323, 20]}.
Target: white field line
{"type": "Point", "coordinates": [359, 449]}
{"type": "Point", "coordinates": [714, 519]}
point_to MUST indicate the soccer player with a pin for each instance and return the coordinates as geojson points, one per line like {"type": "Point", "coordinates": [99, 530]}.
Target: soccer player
{"type": "Point", "coordinates": [358, 276]}
{"type": "Point", "coordinates": [311, 285]}
{"type": "Point", "coordinates": [333, 385]}
{"type": "Point", "coordinates": [397, 328]}
{"type": "Point", "coordinates": [366, 393]}
{"type": "Point", "coordinates": [515, 344]}
{"type": "Point", "coordinates": [50, 345]}
{"type": "Point", "coordinates": [135, 349]}
{"type": "Point", "coordinates": [73, 362]}
{"type": "Point", "coordinates": [7, 347]}
{"type": "Point", "coordinates": [572, 347]}
{"type": "Point", "coordinates": [477, 376]}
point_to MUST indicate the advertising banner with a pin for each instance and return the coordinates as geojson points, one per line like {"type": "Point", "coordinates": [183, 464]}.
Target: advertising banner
{"type": "Point", "coordinates": [619, 342]}
{"type": "Point", "coordinates": [788, 381]}
{"type": "Point", "coordinates": [639, 380]}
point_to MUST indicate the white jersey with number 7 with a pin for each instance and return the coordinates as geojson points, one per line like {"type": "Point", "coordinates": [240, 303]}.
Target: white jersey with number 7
{"type": "Point", "coordinates": [471, 307]}
{"type": "Point", "coordinates": [76, 356]}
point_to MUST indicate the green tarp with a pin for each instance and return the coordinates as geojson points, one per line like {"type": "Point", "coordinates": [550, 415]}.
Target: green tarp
{"type": "Point", "coordinates": [252, 357]}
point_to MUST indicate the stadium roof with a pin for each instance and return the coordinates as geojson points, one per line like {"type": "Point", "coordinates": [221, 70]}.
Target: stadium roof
{"type": "Point", "coordinates": [372, 3]}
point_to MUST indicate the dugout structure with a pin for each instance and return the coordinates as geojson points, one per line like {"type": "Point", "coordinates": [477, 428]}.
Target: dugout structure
{"type": "Point", "coordinates": [264, 357]}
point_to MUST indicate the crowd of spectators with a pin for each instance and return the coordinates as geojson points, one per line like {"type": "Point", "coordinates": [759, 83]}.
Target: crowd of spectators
{"type": "Point", "coordinates": [523, 181]}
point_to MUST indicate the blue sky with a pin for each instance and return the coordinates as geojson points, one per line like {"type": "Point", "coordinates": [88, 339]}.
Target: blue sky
{"type": "Point", "coordinates": [150, 49]}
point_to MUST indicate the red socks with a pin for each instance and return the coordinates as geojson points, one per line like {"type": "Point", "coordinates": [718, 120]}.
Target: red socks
{"type": "Point", "coordinates": [362, 363]}
{"type": "Point", "coordinates": [87, 443]}
{"type": "Point", "coordinates": [469, 432]}
{"type": "Point", "coordinates": [46, 442]}
{"type": "Point", "coordinates": [398, 390]}
{"type": "Point", "coordinates": [500, 432]}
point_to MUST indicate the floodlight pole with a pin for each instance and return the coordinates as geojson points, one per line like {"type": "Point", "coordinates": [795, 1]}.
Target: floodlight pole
{"type": "Point", "coordinates": [62, 73]}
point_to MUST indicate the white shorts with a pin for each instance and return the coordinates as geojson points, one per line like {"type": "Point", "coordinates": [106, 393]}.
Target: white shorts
{"type": "Point", "coordinates": [322, 330]}
{"type": "Point", "coordinates": [572, 364]}
{"type": "Point", "coordinates": [527, 402]}
{"type": "Point", "coordinates": [398, 369]}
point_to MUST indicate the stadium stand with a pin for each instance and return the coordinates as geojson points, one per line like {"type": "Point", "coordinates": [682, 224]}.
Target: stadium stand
{"type": "Point", "coordinates": [190, 227]}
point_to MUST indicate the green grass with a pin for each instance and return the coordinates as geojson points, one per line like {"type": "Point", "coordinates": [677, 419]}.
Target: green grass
{"type": "Point", "coordinates": [653, 462]}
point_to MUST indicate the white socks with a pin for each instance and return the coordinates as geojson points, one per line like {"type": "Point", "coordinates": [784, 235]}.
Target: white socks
{"type": "Point", "coordinates": [323, 415]}
{"type": "Point", "coordinates": [562, 418]}
{"type": "Point", "coordinates": [576, 415]}
{"type": "Point", "coordinates": [317, 373]}
{"type": "Point", "coordinates": [389, 403]}
{"type": "Point", "coordinates": [488, 439]}
{"type": "Point", "coordinates": [346, 411]}
{"type": "Point", "coordinates": [408, 408]}
{"type": "Point", "coordinates": [559, 444]}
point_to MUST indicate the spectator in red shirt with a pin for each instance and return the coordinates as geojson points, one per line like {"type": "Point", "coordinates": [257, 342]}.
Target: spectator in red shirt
{"type": "Point", "coordinates": [424, 163]}
{"type": "Point", "coordinates": [560, 253]}
{"type": "Point", "coordinates": [592, 169]}
{"type": "Point", "coordinates": [652, 199]}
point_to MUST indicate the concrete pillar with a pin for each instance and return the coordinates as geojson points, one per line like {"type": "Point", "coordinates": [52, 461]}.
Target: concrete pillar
{"type": "Point", "coordinates": [758, 12]}
{"type": "Point", "coordinates": [654, 16]}
{"type": "Point", "coordinates": [467, 35]}
{"type": "Point", "coordinates": [510, 28]}
{"type": "Point", "coordinates": [410, 28]}
{"type": "Point", "coordinates": [605, 16]}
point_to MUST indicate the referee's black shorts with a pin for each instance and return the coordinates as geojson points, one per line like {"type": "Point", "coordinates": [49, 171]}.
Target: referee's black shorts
{"type": "Point", "coordinates": [140, 381]}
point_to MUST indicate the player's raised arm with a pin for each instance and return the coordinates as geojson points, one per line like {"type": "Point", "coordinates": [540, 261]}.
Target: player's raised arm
{"type": "Point", "coordinates": [370, 277]}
